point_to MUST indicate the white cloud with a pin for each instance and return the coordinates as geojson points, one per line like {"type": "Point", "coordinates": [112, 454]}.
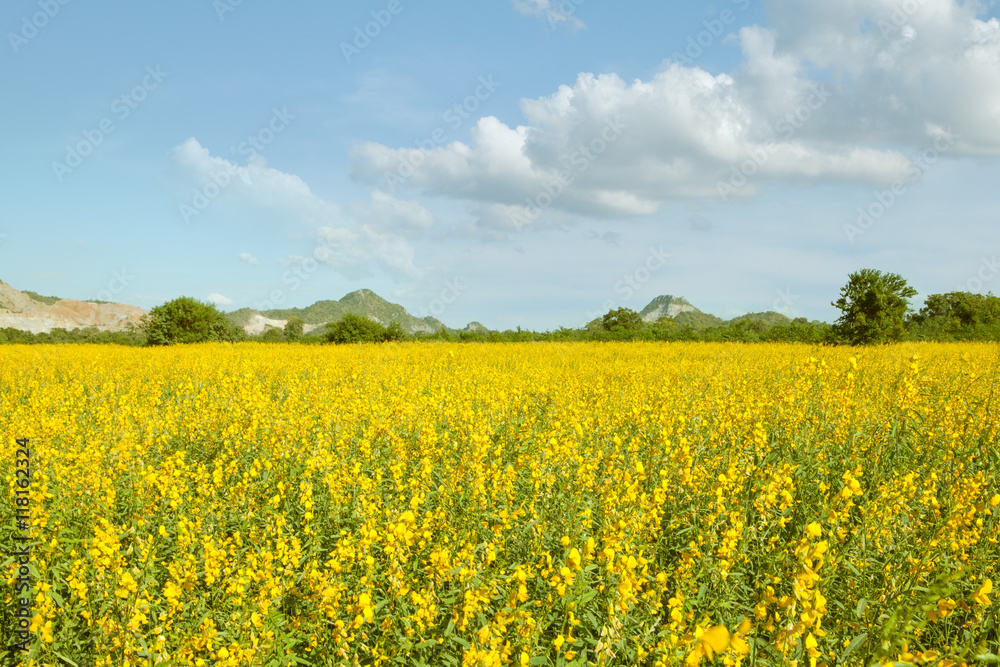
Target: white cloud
{"type": "Point", "coordinates": [838, 92]}
{"type": "Point", "coordinates": [383, 211]}
{"type": "Point", "coordinates": [219, 300]}
{"type": "Point", "coordinates": [350, 241]}
{"type": "Point", "coordinates": [247, 258]}
{"type": "Point", "coordinates": [556, 13]}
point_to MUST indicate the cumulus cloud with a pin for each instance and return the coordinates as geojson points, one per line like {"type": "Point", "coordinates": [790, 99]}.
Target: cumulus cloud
{"type": "Point", "coordinates": [219, 300]}
{"type": "Point", "coordinates": [556, 13]}
{"type": "Point", "coordinates": [835, 93]}
{"type": "Point", "coordinates": [351, 240]}
{"type": "Point", "coordinates": [247, 258]}
{"type": "Point", "coordinates": [383, 211]}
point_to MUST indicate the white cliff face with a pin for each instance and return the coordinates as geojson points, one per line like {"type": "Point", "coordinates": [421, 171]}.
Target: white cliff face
{"type": "Point", "coordinates": [258, 324]}
{"type": "Point", "coordinates": [19, 311]}
{"type": "Point", "coordinates": [672, 310]}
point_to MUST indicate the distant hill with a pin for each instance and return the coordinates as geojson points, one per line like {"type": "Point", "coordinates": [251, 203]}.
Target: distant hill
{"type": "Point", "coordinates": [28, 311]}
{"type": "Point", "coordinates": [666, 306]}
{"type": "Point", "coordinates": [698, 320]}
{"type": "Point", "coordinates": [681, 311]}
{"type": "Point", "coordinates": [362, 302]}
{"type": "Point", "coordinates": [686, 315]}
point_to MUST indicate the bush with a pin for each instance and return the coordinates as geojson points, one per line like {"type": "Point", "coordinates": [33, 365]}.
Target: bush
{"type": "Point", "coordinates": [272, 335]}
{"type": "Point", "coordinates": [622, 319]}
{"type": "Point", "coordinates": [187, 320]}
{"type": "Point", "coordinates": [294, 328]}
{"type": "Point", "coordinates": [353, 328]}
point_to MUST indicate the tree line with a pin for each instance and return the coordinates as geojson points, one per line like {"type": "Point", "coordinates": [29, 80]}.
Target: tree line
{"type": "Point", "coordinates": [875, 309]}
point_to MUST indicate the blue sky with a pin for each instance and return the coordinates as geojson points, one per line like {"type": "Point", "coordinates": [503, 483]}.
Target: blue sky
{"type": "Point", "coordinates": [520, 162]}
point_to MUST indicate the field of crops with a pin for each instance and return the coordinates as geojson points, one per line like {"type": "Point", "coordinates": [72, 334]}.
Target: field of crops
{"type": "Point", "coordinates": [532, 504]}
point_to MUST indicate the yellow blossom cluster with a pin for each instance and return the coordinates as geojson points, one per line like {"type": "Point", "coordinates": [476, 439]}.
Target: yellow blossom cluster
{"type": "Point", "coordinates": [509, 504]}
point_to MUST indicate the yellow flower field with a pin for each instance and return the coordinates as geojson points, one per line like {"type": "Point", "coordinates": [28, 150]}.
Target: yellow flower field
{"type": "Point", "coordinates": [529, 504]}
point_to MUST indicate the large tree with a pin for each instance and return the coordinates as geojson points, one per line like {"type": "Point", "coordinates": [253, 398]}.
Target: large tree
{"type": "Point", "coordinates": [187, 320]}
{"type": "Point", "coordinates": [353, 328]}
{"type": "Point", "coordinates": [622, 319]}
{"type": "Point", "coordinates": [874, 306]}
{"type": "Point", "coordinates": [294, 327]}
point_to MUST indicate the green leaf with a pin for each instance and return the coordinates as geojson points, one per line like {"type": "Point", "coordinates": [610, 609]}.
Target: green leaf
{"type": "Point", "coordinates": [853, 646]}
{"type": "Point", "coordinates": [538, 660]}
{"type": "Point", "coordinates": [65, 659]}
{"type": "Point", "coordinates": [58, 598]}
{"type": "Point", "coordinates": [860, 609]}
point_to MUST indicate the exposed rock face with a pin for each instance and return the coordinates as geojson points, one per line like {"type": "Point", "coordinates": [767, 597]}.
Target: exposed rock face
{"type": "Point", "coordinates": [363, 302]}
{"type": "Point", "coordinates": [666, 306]}
{"type": "Point", "coordinates": [258, 324]}
{"type": "Point", "coordinates": [19, 311]}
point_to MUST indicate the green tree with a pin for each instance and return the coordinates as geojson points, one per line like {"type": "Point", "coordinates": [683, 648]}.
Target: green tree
{"type": "Point", "coordinates": [294, 328]}
{"type": "Point", "coordinates": [353, 328]}
{"type": "Point", "coordinates": [272, 335]}
{"type": "Point", "coordinates": [394, 332]}
{"type": "Point", "coordinates": [874, 306]}
{"type": "Point", "coordinates": [622, 319]}
{"type": "Point", "coordinates": [666, 323]}
{"type": "Point", "coordinates": [958, 316]}
{"type": "Point", "coordinates": [187, 320]}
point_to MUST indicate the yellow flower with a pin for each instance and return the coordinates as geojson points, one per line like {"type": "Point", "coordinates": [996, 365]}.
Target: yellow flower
{"type": "Point", "coordinates": [814, 529]}
{"type": "Point", "coordinates": [171, 591]}
{"type": "Point", "coordinates": [714, 640]}
{"type": "Point", "coordinates": [982, 595]}
{"type": "Point", "coordinates": [574, 558]}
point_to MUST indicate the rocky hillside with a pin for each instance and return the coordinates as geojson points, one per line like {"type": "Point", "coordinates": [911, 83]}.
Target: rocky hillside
{"type": "Point", "coordinates": [666, 306]}
{"type": "Point", "coordinates": [362, 302]}
{"type": "Point", "coordinates": [18, 310]}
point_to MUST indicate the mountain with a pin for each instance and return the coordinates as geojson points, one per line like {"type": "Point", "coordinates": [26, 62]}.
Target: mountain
{"type": "Point", "coordinates": [28, 311]}
{"type": "Point", "coordinates": [362, 302]}
{"type": "Point", "coordinates": [666, 305]}
{"type": "Point", "coordinates": [684, 314]}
